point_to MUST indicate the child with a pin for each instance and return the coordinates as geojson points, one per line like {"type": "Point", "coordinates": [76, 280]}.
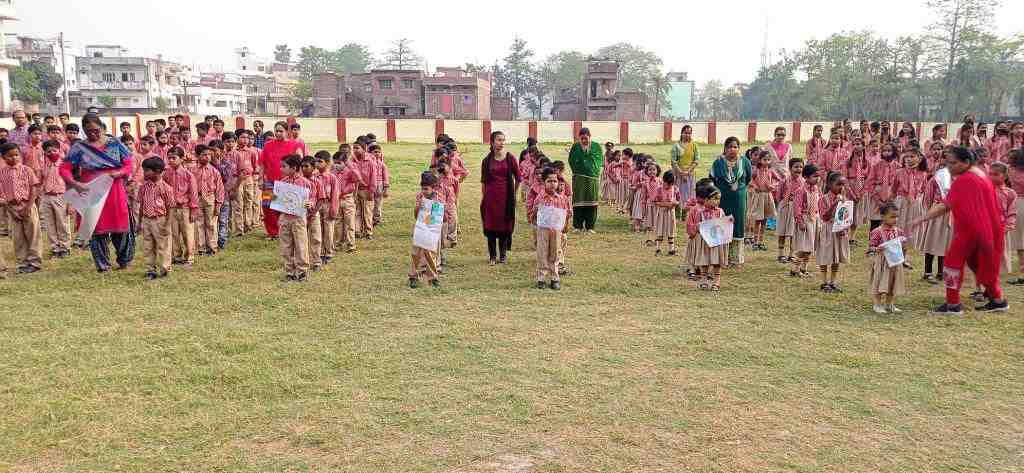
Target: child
{"type": "Point", "coordinates": [815, 145]}
{"type": "Point", "coordinates": [627, 171]}
{"type": "Point", "coordinates": [665, 200]}
{"type": "Point", "coordinates": [210, 191]}
{"type": "Point", "coordinates": [999, 173]}
{"type": "Point", "coordinates": [833, 248]}
{"type": "Point", "coordinates": [886, 281]}
{"type": "Point", "coordinates": [348, 180]}
{"type": "Point", "coordinates": [709, 259]}
{"type": "Point", "coordinates": [155, 200]}
{"type": "Point", "coordinates": [293, 235]}
{"type": "Point", "coordinates": [606, 186]}
{"type": "Point", "coordinates": [428, 191]}
{"type": "Point", "coordinates": [184, 208]}
{"type": "Point", "coordinates": [383, 184]}
{"type": "Point", "coordinates": [229, 180]}
{"type": "Point", "coordinates": [1017, 183]}
{"type": "Point", "coordinates": [652, 181]}
{"type": "Point", "coordinates": [856, 172]}
{"type": "Point", "coordinates": [445, 189]}
{"type": "Point", "coordinates": [366, 191]}
{"type": "Point", "coordinates": [547, 238]}
{"type": "Point", "coordinates": [18, 192]}
{"type": "Point", "coordinates": [638, 204]}
{"type": "Point", "coordinates": [329, 212]}
{"type": "Point", "coordinates": [879, 183]}
{"type": "Point", "coordinates": [613, 178]}
{"type": "Point", "coordinates": [762, 202]}
{"type": "Point", "coordinates": [693, 212]}
{"type": "Point", "coordinates": [314, 233]}
{"type": "Point", "coordinates": [564, 188]}
{"type": "Point", "coordinates": [805, 217]}
{"type": "Point", "coordinates": [52, 207]}
{"type": "Point", "coordinates": [786, 224]}
{"type": "Point", "coordinates": [251, 201]}
{"type": "Point", "coordinates": [908, 187]}
{"type": "Point", "coordinates": [938, 233]}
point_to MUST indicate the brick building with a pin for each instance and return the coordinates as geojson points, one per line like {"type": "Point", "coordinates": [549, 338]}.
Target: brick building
{"type": "Point", "coordinates": [598, 97]}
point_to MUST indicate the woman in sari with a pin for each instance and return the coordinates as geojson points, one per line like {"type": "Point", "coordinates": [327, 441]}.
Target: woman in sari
{"type": "Point", "coordinates": [274, 151]}
{"type": "Point", "coordinates": [731, 173]}
{"type": "Point", "coordinates": [499, 174]}
{"type": "Point", "coordinates": [585, 159]}
{"type": "Point", "coordinates": [685, 158]}
{"type": "Point", "coordinates": [88, 159]}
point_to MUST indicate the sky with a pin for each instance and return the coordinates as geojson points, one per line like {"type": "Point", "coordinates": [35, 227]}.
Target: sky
{"type": "Point", "coordinates": [721, 40]}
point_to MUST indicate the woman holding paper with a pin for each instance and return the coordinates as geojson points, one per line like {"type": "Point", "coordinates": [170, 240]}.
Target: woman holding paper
{"type": "Point", "coordinates": [732, 173]}
{"type": "Point", "coordinates": [499, 174]}
{"type": "Point", "coordinates": [102, 155]}
{"type": "Point", "coordinates": [979, 235]}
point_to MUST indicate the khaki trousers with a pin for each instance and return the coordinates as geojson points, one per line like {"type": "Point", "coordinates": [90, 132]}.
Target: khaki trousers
{"type": "Point", "coordinates": [294, 244]}
{"type": "Point", "coordinates": [25, 233]}
{"type": "Point", "coordinates": [547, 254]}
{"type": "Point", "coordinates": [364, 212]}
{"type": "Point", "coordinates": [423, 258]}
{"type": "Point", "coordinates": [207, 225]}
{"type": "Point", "coordinates": [327, 234]}
{"type": "Point", "coordinates": [54, 212]}
{"type": "Point", "coordinates": [346, 221]}
{"type": "Point", "coordinates": [240, 204]}
{"type": "Point", "coordinates": [156, 233]}
{"type": "Point", "coordinates": [314, 236]}
{"type": "Point", "coordinates": [183, 244]}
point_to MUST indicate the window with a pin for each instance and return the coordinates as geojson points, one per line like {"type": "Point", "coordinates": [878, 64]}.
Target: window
{"type": "Point", "coordinates": [385, 84]}
{"type": "Point", "coordinates": [220, 103]}
{"type": "Point", "coordinates": [406, 83]}
{"type": "Point", "coordinates": [467, 100]}
{"type": "Point", "coordinates": [243, 67]}
{"type": "Point", "coordinates": [260, 68]}
{"type": "Point", "coordinates": [109, 77]}
{"type": "Point", "coordinates": [135, 100]}
{"type": "Point", "coordinates": [243, 55]}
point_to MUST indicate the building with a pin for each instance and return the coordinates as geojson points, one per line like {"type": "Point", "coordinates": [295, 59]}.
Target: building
{"type": "Point", "coordinates": [131, 84]}
{"type": "Point", "coordinates": [680, 96]}
{"type": "Point", "coordinates": [598, 97]}
{"type": "Point", "coordinates": [267, 84]}
{"type": "Point", "coordinates": [220, 94]}
{"type": "Point", "coordinates": [6, 15]}
{"type": "Point", "coordinates": [449, 93]}
{"type": "Point", "coordinates": [49, 51]}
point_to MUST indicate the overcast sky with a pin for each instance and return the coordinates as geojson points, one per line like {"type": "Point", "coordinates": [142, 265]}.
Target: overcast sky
{"type": "Point", "coordinates": [717, 39]}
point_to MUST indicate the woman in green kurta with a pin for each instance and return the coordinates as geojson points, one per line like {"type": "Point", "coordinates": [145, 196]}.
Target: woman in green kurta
{"type": "Point", "coordinates": [586, 160]}
{"type": "Point", "coordinates": [731, 173]}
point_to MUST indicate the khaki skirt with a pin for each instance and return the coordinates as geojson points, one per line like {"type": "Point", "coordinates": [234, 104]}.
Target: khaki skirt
{"type": "Point", "coordinates": [832, 248]}
{"type": "Point", "coordinates": [785, 225]}
{"type": "Point", "coordinates": [937, 235]}
{"type": "Point", "coordinates": [1016, 240]}
{"type": "Point", "coordinates": [804, 241]}
{"type": "Point", "coordinates": [910, 210]}
{"type": "Point", "coordinates": [664, 222]}
{"type": "Point", "coordinates": [886, 280]}
{"type": "Point", "coordinates": [707, 255]}
{"type": "Point", "coordinates": [691, 250]}
{"type": "Point", "coordinates": [1006, 262]}
{"type": "Point", "coordinates": [649, 216]}
{"type": "Point", "coordinates": [862, 212]}
{"type": "Point", "coordinates": [875, 204]}
{"type": "Point", "coordinates": [637, 207]}
{"type": "Point", "coordinates": [762, 206]}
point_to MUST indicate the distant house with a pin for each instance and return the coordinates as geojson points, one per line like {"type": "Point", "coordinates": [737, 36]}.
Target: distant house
{"type": "Point", "coordinates": [598, 97]}
{"type": "Point", "coordinates": [133, 83]}
{"type": "Point", "coordinates": [680, 96]}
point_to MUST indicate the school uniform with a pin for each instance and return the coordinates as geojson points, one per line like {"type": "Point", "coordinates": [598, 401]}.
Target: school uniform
{"type": "Point", "coordinates": [762, 200]}
{"type": "Point", "coordinates": [886, 279]}
{"type": "Point", "coordinates": [382, 184]}
{"type": "Point", "coordinates": [693, 207]}
{"type": "Point", "coordinates": [294, 236]}
{"type": "Point", "coordinates": [422, 257]}
{"type": "Point", "coordinates": [879, 186]}
{"type": "Point", "coordinates": [938, 232]}
{"type": "Point", "coordinates": [185, 204]}
{"type": "Point", "coordinates": [53, 209]}
{"type": "Point", "coordinates": [156, 200]}
{"type": "Point", "coordinates": [638, 204]}
{"type": "Point", "coordinates": [229, 180]}
{"type": "Point", "coordinates": [705, 254]}
{"type": "Point", "coordinates": [16, 183]}
{"type": "Point", "coordinates": [806, 209]}
{"type": "Point", "coordinates": [1016, 241]}
{"type": "Point", "coordinates": [210, 188]}
{"type": "Point", "coordinates": [448, 184]}
{"type": "Point", "coordinates": [328, 214]}
{"type": "Point", "coordinates": [831, 247]}
{"type": "Point", "coordinates": [665, 217]}
{"type": "Point", "coordinates": [348, 181]}
{"type": "Point", "coordinates": [856, 177]}
{"type": "Point", "coordinates": [1007, 200]}
{"type": "Point", "coordinates": [241, 219]}
{"type": "Point", "coordinates": [651, 184]}
{"type": "Point", "coordinates": [365, 193]}
{"type": "Point", "coordinates": [314, 230]}
{"type": "Point", "coordinates": [548, 240]}
{"type": "Point", "coordinates": [785, 222]}
{"type": "Point", "coordinates": [908, 188]}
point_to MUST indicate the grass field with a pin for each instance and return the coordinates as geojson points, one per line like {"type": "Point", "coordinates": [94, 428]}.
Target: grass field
{"type": "Point", "coordinates": [628, 368]}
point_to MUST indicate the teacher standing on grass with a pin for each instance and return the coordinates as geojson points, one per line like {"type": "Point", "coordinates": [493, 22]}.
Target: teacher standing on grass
{"type": "Point", "coordinates": [274, 152]}
{"type": "Point", "coordinates": [586, 160]}
{"type": "Point", "coordinates": [499, 174]}
{"type": "Point", "coordinates": [101, 154]}
{"type": "Point", "coordinates": [685, 158]}
{"type": "Point", "coordinates": [731, 173]}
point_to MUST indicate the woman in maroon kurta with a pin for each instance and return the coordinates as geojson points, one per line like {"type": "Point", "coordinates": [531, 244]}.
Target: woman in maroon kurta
{"type": "Point", "coordinates": [500, 177]}
{"type": "Point", "coordinates": [274, 151]}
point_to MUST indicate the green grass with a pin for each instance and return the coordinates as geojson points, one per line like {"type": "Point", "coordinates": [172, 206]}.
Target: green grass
{"type": "Point", "coordinates": [629, 368]}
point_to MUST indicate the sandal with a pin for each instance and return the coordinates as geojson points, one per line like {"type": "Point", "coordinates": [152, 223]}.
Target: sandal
{"type": "Point", "coordinates": [691, 275]}
{"type": "Point", "coordinates": [657, 252]}
{"type": "Point", "coordinates": [671, 252]}
{"type": "Point", "coordinates": [703, 286]}
{"type": "Point", "coordinates": [782, 259]}
{"type": "Point", "coordinates": [1016, 282]}
{"type": "Point", "coordinates": [715, 288]}
{"type": "Point", "coordinates": [805, 274]}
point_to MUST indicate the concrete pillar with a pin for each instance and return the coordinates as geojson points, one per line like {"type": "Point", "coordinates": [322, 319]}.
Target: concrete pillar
{"type": "Point", "coordinates": [486, 127]}
{"type": "Point", "coordinates": [623, 132]}
{"type": "Point", "coordinates": [391, 130]}
{"type": "Point", "coordinates": [438, 128]}
{"type": "Point", "coordinates": [576, 127]}
{"type": "Point", "coordinates": [138, 127]}
{"type": "Point", "coordinates": [667, 132]}
{"type": "Point", "coordinates": [240, 122]}
{"type": "Point", "coordinates": [712, 133]}
{"type": "Point", "coordinates": [795, 136]}
{"type": "Point", "coordinates": [532, 129]}
{"type": "Point", "coordinates": [752, 132]}
{"type": "Point", "coordinates": [341, 130]}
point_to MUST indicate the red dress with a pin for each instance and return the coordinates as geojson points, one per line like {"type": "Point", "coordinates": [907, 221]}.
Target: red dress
{"type": "Point", "coordinates": [495, 205]}
{"type": "Point", "coordinates": [979, 235]}
{"type": "Point", "coordinates": [274, 152]}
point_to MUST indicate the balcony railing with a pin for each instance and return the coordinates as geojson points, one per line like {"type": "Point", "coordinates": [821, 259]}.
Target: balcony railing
{"type": "Point", "coordinates": [119, 85]}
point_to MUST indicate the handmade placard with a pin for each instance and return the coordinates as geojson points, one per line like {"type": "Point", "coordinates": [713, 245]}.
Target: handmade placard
{"type": "Point", "coordinates": [289, 199]}
{"type": "Point", "coordinates": [843, 218]}
{"type": "Point", "coordinates": [717, 232]}
{"type": "Point", "coordinates": [893, 251]}
{"type": "Point", "coordinates": [426, 233]}
{"type": "Point", "coordinates": [552, 218]}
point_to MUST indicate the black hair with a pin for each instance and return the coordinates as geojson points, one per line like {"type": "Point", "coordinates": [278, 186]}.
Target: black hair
{"type": "Point", "coordinates": [373, 147]}
{"type": "Point", "coordinates": [227, 136]}
{"type": "Point", "coordinates": [122, 124]}
{"type": "Point", "coordinates": [309, 160]}
{"type": "Point", "coordinates": [293, 161]}
{"type": "Point", "coordinates": [92, 118]}
{"type": "Point", "coordinates": [558, 165]}
{"type": "Point", "coordinates": [707, 191]}
{"type": "Point", "coordinates": [369, 136]}
{"type": "Point", "coordinates": [71, 128]}
{"type": "Point", "coordinates": [793, 161]}
{"type": "Point", "coordinates": [887, 207]}
{"type": "Point", "coordinates": [428, 178]}
{"type": "Point", "coordinates": [731, 139]}
{"type": "Point", "coordinates": [531, 141]}
{"type": "Point", "coordinates": [200, 148]}
{"type": "Point", "coordinates": [218, 144]}
{"type": "Point", "coordinates": [832, 178]}
{"type": "Point", "coordinates": [153, 164]}
{"type": "Point", "coordinates": [322, 155]}
{"type": "Point", "coordinates": [441, 152]}
{"type": "Point", "coordinates": [547, 171]}
{"type": "Point", "coordinates": [442, 138]}
{"type": "Point", "coordinates": [668, 178]}
{"type": "Point", "coordinates": [628, 152]}
{"type": "Point", "coordinates": [202, 126]}
{"type": "Point", "coordinates": [543, 161]}
{"type": "Point", "coordinates": [1016, 159]}
{"type": "Point", "coordinates": [534, 150]}
{"type": "Point", "coordinates": [52, 128]}
{"type": "Point", "coordinates": [34, 128]}
{"type": "Point", "coordinates": [218, 121]}
{"type": "Point", "coordinates": [177, 151]}
{"type": "Point", "coordinates": [160, 121]}
{"type": "Point", "coordinates": [1003, 168]}
{"type": "Point", "coordinates": [51, 144]}
{"type": "Point", "coordinates": [126, 139]}
{"type": "Point", "coordinates": [242, 131]}
{"type": "Point", "coordinates": [809, 170]}
{"type": "Point", "coordinates": [584, 131]}
{"type": "Point", "coordinates": [7, 147]}
{"type": "Point", "coordinates": [685, 127]}
{"type": "Point", "coordinates": [147, 139]}
{"type": "Point", "coordinates": [963, 154]}
{"type": "Point", "coordinates": [338, 156]}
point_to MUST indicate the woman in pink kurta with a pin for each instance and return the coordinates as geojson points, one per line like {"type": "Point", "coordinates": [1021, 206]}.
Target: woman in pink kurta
{"type": "Point", "coordinates": [101, 154]}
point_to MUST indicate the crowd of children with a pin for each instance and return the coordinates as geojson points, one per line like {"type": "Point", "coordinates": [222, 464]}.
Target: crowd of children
{"type": "Point", "coordinates": [189, 196]}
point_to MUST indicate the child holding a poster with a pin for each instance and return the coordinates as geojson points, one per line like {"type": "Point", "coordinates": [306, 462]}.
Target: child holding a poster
{"type": "Point", "coordinates": [833, 247]}
{"type": "Point", "coordinates": [428, 214]}
{"type": "Point", "coordinates": [887, 244]}
{"type": "Point", "coordinates": [711, 258]}
{"type": "Point", "coordinates": [550, 212]}
{"type": "Point", "coordinates": [293, 234]}
{"type": "Point", "coordinates": [805, 216]}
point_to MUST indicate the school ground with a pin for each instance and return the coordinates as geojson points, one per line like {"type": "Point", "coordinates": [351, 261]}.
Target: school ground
{"type": "Point", "coordinates": [628, 368]}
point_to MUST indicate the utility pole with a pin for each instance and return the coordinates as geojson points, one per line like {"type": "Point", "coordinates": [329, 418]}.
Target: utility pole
{"type": "Point", "coordinates": [64, 72]}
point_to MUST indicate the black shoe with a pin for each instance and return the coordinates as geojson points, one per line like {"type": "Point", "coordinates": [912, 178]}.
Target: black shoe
{"type": "Point", "coordinates": [150, 276]}
{"type": "Point", "coordinates": [541, 285]}
{"type": "Point", "coordinates": [948, 309]}
{"type": "Point", "coordinates": [163, 274]}
{"type": "Point", "coordinates": [289, 278]}
{"type": "Point", "coordinates": [994, 306]}
{"type": "Point", "coordinates": [555, 285]}
{"type": "Point", "coordinates": [414, 283]}
{"type": "Point", "coordinates": [835, 287]}
{"type": "Point", "coordinates": [826, 288]}
{"type": "Point", "coordinates": [503, 260]}
{"type": "Point", "coordinates": [302, 277]}
{"type": "Point", "coordinates": [1016, 282]}
{"type": "Point", "coordinates": [978, 296]}
{"type": "Point", "coordinates": [435, 283]}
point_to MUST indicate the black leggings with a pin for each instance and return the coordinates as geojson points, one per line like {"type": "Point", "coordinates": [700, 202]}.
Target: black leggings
{"type": "Point", "coordinates": [928, 259]}
{"type": "Point", "coordinates": [498, 243]}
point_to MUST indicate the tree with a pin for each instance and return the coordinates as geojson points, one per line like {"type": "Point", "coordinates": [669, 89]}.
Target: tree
{"type": "Point", "coordinates": [401, 56]}
{"type": "Point", "coordinates": [474, 68]}
{"type": "Point", "coordinates": [349, 59]}
{"type": "Point", "coordinates": [25, 85]}
{"type": "Point", "coordinates": [162, 105]}
{"type": "Point", "coordinates": [282, 53]}
{"type": "Point", "coordinates": [519, 73]}
{"type": "Point", "coordinates": [47, 81]}
{"type": "Point", "coordinates": [300, 95]}
{"type": "Point", "coordinates": [957, 23]}
{"type": "Point", "coordinates": [636, 65]}
{"type": "Point", "coordinates": [313, 61]}
{"type": "Point", "coordinates": [107, 101]}
{"type": "Point", "coordinates": [352, 58]}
